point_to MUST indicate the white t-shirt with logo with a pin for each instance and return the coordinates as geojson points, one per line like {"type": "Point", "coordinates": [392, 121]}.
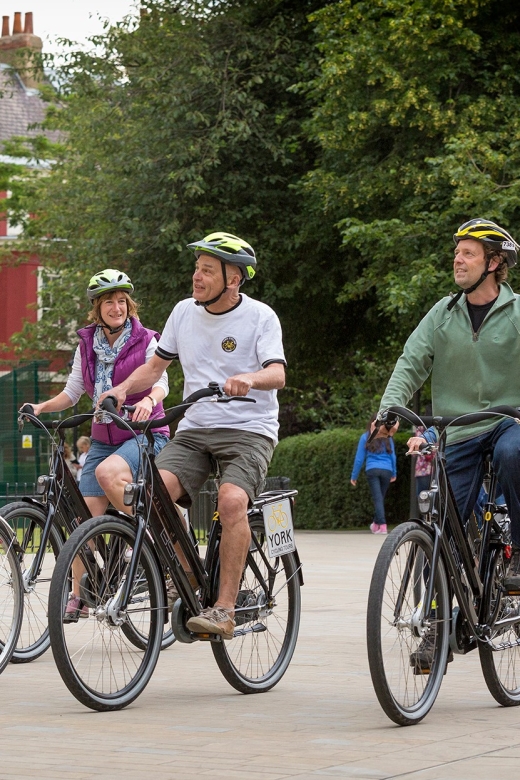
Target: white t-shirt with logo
{"type": "Point", "coordinates": [213, 347]}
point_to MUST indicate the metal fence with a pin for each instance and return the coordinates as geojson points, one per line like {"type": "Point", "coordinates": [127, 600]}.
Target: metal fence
{"type": "Point", "coordinates": [200, 513]}
{"type": "Point", "coordinates": [22, 456]}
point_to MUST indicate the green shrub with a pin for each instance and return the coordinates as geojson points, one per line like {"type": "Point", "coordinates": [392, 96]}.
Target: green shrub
{"type": "Point", "coordinates": [319, 466]}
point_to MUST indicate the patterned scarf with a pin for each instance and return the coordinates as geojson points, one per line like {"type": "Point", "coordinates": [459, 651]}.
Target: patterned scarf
{"type": "Point", "coordinates": [105, 358]}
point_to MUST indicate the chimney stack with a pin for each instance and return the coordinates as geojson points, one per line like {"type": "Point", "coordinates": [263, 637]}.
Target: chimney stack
{"type": "Point", "coordinates": [28, 28]}
{"type": "Point", "coordinates": [17, 26]}
{"type": "Point", "coordinates": [11, 47]}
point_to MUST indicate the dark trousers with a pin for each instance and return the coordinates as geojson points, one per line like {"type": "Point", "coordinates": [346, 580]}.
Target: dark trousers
{"type": "Point", "coordinates": [378, 482]}
{"type": "Point", "coordinates": [465, 466]}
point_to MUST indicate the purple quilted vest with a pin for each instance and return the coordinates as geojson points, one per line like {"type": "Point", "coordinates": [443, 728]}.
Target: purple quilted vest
{"type": "Point", "coordinates": [131, 357]}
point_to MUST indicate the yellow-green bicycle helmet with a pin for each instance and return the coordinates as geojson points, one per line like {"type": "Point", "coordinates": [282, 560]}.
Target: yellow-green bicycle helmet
{"type": "Point", "coordinates": [107, 281]}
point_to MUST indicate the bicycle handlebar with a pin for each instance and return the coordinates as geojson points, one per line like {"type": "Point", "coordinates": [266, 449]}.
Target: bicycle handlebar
{"type": "Point", "coordinates": [444, 421]}
{"type": "Point", "coordinates": [109, 405]}
{"type": "Point", "coordinates": [27, 411]}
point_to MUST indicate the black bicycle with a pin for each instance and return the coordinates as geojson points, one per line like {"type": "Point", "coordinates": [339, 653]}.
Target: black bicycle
{"type": "Point", "coordinates": [413, 627]}
{"type": "Point", "coordinates": [41, 525]}
{"type": "Point", "coordinates": [107, 660]}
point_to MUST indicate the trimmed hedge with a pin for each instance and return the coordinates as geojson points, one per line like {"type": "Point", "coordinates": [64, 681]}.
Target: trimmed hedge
{"type": "Point", "coordinates": [319, 466]}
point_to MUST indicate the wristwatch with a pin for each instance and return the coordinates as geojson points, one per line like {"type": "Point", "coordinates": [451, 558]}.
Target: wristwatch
{"type": "Point", "coordinates": [154, 402]}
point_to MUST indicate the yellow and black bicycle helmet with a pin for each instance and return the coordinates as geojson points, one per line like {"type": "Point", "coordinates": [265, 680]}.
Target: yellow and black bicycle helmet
{"type": "Point", "coordinates": [490, 234]}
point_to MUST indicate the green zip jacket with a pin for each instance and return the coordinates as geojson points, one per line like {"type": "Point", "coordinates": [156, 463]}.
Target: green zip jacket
{"type": "Point", "coordinates": [470, 371]}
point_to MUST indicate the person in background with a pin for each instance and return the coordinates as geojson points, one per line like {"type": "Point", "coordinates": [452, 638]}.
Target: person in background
{"type": "Point", "coordinates": [82, 446]}
{"type": "Point", "coordinates": [70, 460]}
{"type": "Point", "coordinates": [381, 469]}
{"type": "Point", "coordinates": [423, 463]}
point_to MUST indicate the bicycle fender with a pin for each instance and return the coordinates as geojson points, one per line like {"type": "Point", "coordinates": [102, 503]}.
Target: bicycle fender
{"type": "Point", "coordinates": [33, 501]}
{"type": "Point", "coordinates": [299, 566]}
{"type": "Point", "coordinates": [10, 535]}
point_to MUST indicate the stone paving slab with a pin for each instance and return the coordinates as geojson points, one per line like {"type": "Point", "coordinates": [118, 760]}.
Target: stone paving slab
{"type": "Point", "coordinates": [321, 720]}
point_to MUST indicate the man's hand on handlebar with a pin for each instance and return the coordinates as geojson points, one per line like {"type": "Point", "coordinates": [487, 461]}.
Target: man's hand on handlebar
{"type": "Point", "coordinates": [240, 384]}
{"type": "Point", "coordinates": [384, 432]}
{"type": "Point", "coordinates": [116, 393]}
{"type": "Point", "coordinates": [415, 444]}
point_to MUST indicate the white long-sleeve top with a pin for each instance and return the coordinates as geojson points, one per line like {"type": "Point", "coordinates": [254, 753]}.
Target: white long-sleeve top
{"type": "Point", "coordinates": [75, 386]}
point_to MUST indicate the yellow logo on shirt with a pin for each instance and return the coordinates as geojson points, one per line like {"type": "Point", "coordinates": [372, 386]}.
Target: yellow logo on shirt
{"type": "Point", "coordinates": [229, 344]}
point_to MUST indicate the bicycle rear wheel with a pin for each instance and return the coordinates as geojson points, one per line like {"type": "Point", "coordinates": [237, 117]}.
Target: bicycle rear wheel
{"type": "Point", "coordinates": [396, 639]}
{"type": "Point", "coordinates": [28, 522]}
{"type": "Point", "coordinates": [100, 666]}
{"type": "Point", "coordinates": [501, 668]}
{"type": "Point", "coordinates": [11, 596]}
{"type": "Point", "coordinates": [267, 626]}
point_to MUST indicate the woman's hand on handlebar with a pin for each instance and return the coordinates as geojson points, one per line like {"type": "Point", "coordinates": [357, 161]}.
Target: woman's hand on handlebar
{"type": "Point", "coordinates": [143, 410]}
{"type": "Point", "coordinates": [37, 408]}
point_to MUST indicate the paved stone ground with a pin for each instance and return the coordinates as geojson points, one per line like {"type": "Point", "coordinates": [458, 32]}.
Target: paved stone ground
{"type": "Point", "coordinates": [322, 720]}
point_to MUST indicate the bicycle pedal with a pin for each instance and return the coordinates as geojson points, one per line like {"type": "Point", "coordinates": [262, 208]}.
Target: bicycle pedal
{"type": "Point", "coordinates": [207, 637]}
{"type": "Point", "coordinates": [418, 671]}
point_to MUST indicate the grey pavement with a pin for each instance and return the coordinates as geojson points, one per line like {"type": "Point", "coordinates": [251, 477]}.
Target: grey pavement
{"type": "Point", "coordinates": [322, 719]}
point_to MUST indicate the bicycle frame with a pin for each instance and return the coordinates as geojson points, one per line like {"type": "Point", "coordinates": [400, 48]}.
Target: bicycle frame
{"type": "Point", "coordinates": [156, 511]}
{"type": "Point", "coordinates": [469, 575]}
{"type": "Point", "coordinates": [59, 490]}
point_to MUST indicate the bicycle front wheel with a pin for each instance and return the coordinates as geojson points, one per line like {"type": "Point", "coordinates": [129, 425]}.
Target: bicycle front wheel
{"type": "Point", "coordinates": [407, 653]}
{"type": "Point", "coordinates": [100, 666]}
{"type": "Point", "coordinates": [266, 623]}
{"type": "Point", "coordinates": [28, 522]}
{"type": "Point", "coordinates": [11, 596]}
{"type": "Point", "coordinates": [501, 666]}
{"type": "Point", "coordinates": [133, 632]}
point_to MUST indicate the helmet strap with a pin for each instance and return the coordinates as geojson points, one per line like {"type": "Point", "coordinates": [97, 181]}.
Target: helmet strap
{"type": "Point", "coordinates": [110, 329]}
{"type": "Point", "coordinates": [456, 298]}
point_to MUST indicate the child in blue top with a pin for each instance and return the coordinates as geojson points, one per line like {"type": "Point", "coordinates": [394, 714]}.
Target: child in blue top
{"type": "Point", "coordinates": [381, 469]}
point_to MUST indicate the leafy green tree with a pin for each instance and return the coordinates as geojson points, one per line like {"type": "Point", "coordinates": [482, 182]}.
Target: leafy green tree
{"type": "Point", "coordinates": [416, 115]}
{"type": "Point", "coordinates": [173, 127]}
{"type": "Point", "coordinates": [184, 123]}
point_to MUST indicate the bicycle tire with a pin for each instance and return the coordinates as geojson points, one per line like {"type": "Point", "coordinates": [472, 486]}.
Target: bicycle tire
{"type": "Point", "coordinates": [28, 522]}
{"type": "Point", "coordinates": [98, 664]}
{"type": "Point", "coordinates": [11, 596]}
{"type": "Point", "coordinates": [501, 668]}
{"type": "Point", "coordinates": [257, 657]}
{"type": "Point", "coordinates": [405, 692]}
{"type": "Point", "coordinates": [134, 635]}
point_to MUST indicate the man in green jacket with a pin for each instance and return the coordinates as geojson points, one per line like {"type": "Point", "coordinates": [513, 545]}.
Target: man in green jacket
{"type": "Point", "coordinates": [470, 343]}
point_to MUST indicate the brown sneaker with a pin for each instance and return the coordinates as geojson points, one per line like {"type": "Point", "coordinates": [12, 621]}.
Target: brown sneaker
{"type": "Point", "coordinates": [213, 620]}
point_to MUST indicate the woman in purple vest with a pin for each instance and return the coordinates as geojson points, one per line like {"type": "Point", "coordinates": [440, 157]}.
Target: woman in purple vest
{"type": "Point", "coordinates": [113, 346]}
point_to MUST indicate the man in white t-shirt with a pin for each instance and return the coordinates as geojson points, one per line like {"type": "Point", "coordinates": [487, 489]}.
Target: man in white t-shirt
{"type": "Point", "coordinates": [221, 335]}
